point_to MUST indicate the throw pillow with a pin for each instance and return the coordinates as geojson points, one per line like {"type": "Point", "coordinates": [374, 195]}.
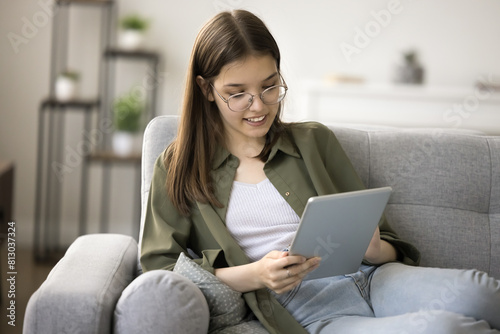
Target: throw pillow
{"type": "Point", "coordinates": [228, 311]}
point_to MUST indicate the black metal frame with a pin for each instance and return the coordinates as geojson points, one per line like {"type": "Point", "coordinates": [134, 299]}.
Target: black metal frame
{"type": "Point", "coordinates": [50, 149]}
{"type": "Point", "coordinates": [48, 193]}
{"type": "Point", "coordinates": [52, 112]}
{"type": "Point", "coordinates": [112, 55]}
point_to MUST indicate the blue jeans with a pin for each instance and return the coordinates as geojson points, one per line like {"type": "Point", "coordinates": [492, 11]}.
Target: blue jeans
{"type": "Point", "coordinates": [395, 298]}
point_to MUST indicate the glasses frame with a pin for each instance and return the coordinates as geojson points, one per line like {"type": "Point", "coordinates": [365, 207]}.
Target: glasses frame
{"type": "Point", "coordinates": [252, 95]}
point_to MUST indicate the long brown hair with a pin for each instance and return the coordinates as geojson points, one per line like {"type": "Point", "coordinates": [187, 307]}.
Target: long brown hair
{"type": "Point", "coordinates": [228, 37]}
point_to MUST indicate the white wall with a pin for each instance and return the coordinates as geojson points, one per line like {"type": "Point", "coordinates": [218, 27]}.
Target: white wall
{"type": "Point", "coordinates": [458, 41]}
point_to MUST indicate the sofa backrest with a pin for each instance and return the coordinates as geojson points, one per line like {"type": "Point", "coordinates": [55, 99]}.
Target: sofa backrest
{"type": "Point", "coordinates": [446, 186]}
{"type": "Point", "coordinates": [446, 190]}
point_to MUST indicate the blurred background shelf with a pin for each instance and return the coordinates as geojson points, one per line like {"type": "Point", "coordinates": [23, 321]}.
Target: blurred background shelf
{"type": "Point", "coordinates": [110, 156]}
{"type": "Point", "coordinates": [53, 102]}
{"type": "Point", "coordinates": [75, 135]}
{"type": "Point", "coordinates": [138, 54]}
{"type": "Point", "coordinates": [399, 105]}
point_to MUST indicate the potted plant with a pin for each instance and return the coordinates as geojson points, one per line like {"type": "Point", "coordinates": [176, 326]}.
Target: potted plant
{"type": "Point", "coordinates": [127, 117]}
{"type": "Point", "coordinates": [132, 31]}
{"type": "Point", "coordinates": [66, 85]}
{"type": "Point", "coordinates": [410, 72]}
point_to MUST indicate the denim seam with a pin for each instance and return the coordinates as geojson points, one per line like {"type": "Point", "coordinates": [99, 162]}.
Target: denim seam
{"type": "Point", "coordinates": [290, 295]}
{"type": "Point", "coordinates": [362, 284]}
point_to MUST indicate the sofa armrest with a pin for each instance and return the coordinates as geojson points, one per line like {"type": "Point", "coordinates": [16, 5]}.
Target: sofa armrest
{"type": "Point", "coordinates": [81, 291]}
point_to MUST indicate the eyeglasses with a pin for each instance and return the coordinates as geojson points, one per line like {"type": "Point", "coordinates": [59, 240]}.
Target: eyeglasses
{"type": "Point", "coordinates": [243, 101]}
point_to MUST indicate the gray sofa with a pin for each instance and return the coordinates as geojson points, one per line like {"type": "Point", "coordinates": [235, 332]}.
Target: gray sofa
{"type": "Point", "coordinates": [446, 201]}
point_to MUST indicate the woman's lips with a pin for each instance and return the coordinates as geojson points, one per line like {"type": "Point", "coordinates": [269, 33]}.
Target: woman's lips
{"type": "Point", "coordinates": [256, 121]}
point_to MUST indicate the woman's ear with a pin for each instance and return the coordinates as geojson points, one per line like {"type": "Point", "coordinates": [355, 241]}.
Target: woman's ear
{"type": "Point", "coordinates": [205, 88]}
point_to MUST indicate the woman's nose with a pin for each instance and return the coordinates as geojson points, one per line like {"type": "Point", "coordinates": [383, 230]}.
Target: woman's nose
{"type": "Point", "coordinates": [257, 103]}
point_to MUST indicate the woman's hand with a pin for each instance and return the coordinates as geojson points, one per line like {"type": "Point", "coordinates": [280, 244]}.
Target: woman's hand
{"type": "Point", "coordinates": [277, 271]}
{"type": "Point", "coordinates": [281, 272]}
{"type": "Point", "coordinates": [380, 251]}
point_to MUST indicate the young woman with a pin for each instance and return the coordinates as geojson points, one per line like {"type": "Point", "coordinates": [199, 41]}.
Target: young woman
{"type": "Point", "coordinates": [235, 181]}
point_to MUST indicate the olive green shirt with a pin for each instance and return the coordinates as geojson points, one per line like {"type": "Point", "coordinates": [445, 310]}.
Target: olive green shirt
{"type": "Point", "coordinates": [315, 165]}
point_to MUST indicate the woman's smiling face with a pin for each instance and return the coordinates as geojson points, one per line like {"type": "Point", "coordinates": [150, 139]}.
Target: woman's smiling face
{"type": "Point", "coordinates": [251, 75]}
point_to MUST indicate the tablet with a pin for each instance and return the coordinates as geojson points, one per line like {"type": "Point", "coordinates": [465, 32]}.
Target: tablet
{"type": "Point", "coordinates": [339, 228]}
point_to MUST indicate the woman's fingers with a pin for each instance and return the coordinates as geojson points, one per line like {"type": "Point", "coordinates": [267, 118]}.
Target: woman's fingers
{"type": "Point", "coordinates": [282, 272]}
{"type": "Point", "coordinates": [301, 270]}
{"type": "Point", "coordinates": [294, 274]}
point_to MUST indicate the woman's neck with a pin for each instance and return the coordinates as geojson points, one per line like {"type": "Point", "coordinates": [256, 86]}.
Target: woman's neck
{"type": "Point", "coordinates": [245, 149]}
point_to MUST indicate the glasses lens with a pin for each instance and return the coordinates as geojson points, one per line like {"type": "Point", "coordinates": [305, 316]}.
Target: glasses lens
{"type": "Point", "coordinates": [243, 101]}
{"type": "Point", "coordinates": [240, 102]}
{"type": "Point", "coordinates": [273, 95]}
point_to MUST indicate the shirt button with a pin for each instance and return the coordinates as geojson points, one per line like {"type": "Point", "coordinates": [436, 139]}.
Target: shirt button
{"type": "Point", "coordinates": [287, 194]}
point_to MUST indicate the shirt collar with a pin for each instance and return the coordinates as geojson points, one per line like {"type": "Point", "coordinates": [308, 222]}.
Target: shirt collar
{"type": "Point", "coordinates": [283, 144]}
{"type": "Point", "coordinates": [221, 155]}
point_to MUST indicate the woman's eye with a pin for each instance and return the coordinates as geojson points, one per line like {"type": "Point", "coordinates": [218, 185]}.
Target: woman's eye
{"type": "Point", "coordinates": [237, 96]}
{"type": "Point", "coordinates": [269, 86]}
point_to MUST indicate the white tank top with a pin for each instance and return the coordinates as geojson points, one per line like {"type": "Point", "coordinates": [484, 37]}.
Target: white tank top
{"type": "Point", "coordinates": [260, 219]}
